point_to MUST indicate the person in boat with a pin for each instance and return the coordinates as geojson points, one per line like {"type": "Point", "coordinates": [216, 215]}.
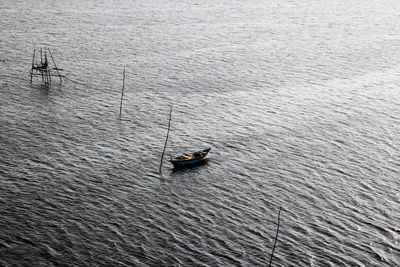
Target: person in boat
{"type": "Point", "coordinates": [197, 154]}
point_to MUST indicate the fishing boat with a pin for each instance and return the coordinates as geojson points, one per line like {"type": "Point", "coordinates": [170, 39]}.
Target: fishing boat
{"type": "Point", "coordinates": [188, 160]}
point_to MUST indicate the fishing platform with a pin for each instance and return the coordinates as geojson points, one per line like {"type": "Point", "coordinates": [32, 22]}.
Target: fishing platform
{"type": "Point", "coordinates": [43, 68]}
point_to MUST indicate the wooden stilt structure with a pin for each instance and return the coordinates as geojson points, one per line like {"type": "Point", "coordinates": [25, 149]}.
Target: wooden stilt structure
{"type": "Point", "coordinates": [57, 69]}
{"type": "Point", "coordinates": [44, 69]}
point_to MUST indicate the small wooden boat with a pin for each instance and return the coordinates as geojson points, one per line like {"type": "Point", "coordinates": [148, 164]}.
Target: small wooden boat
{"type": "Point", "coordinates": [187, 160]}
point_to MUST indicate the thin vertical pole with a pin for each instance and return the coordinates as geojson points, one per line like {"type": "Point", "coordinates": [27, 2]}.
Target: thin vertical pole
{"type": "Point", "coordinates": [122, 93]}
{"type": "Point", "coordinates": [33, 63]}
{"type": "Point", "coordinates": [166, 140]}
{"type": "Point", "coordinates": [55, 65]}
{"type": "Point", "coordinates": [46, 66]}
{"type": "Point", "coordinates": [276, 237]}
{"type": "Point", "coordinates": [41, 65]}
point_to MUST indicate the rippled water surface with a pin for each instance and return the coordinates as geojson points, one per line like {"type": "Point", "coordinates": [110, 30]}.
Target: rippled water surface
{"type": "Point", "coordinates": [299, 101]}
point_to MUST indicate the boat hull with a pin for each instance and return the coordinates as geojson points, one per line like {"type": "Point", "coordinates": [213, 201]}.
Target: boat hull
{"type": "Point", "coordinates": [189, 160]}
{"type": "Point", "coordinates": [188, 163]}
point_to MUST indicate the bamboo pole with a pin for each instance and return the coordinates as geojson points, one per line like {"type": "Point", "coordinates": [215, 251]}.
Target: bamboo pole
{"type": "Point", "coordinates": [166, 140]}
{"type": "Point", "coordinates": [41, 64]}
{"type": "Point", "coordinates": [52, 58]}
{"type": "Point", "coordinates": [41, 57]}
{"type": "Point", "coordinates": [122, 93]}
{"type": "Point", "coordinates": [276, 237]}
{"type": "Point", "coordinates": [46, 72]}
{"type": "Point", "coordinates": [33, 63]}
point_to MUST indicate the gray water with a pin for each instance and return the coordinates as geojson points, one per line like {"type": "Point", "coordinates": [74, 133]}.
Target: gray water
{"type": "Point", "coordinates": [299, 101]}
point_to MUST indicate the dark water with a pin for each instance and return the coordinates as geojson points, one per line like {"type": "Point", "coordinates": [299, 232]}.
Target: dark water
{"type": "Point", "coordinates": [299, 101]}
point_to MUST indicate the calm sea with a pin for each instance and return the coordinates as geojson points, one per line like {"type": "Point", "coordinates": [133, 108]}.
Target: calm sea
{"type": "Point", "coordinates": [299, 101]}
